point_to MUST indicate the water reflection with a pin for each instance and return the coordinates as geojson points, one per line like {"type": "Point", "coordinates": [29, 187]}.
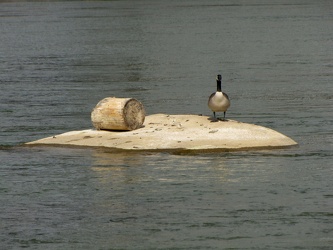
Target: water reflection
{"type": "Point", "coordinates": [135, 167]}
{"type": "Point", "coordinates": [117, 167]}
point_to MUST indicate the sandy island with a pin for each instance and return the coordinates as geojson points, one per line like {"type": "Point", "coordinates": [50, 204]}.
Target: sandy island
{"type": "Point", "coordinates": [176, 132]}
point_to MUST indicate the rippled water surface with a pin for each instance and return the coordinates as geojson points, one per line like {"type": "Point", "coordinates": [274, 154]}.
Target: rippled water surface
{"type": "Point", "coordinates": [58, 59]}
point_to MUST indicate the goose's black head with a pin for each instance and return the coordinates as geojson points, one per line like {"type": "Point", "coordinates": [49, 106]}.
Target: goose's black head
{"type": "Point", "coordinates": [219, 78]}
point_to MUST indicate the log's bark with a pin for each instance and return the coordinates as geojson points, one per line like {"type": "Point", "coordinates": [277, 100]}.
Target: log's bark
{"type": "Point", "coordinates": [113, 113]}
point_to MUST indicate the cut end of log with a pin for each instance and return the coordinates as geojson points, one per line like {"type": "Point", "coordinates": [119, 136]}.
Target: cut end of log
{"type": "Point", "coordinates": [113, 113]}
{"type": "Point", "coordinates": [134, 114]}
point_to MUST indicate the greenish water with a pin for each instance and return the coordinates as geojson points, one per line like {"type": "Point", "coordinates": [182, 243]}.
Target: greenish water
{"type": "Point", "coordinates": [58, 59]}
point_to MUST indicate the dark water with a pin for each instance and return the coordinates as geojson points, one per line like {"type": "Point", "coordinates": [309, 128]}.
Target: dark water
{"type": "Point", "coordinates": [58, 59]}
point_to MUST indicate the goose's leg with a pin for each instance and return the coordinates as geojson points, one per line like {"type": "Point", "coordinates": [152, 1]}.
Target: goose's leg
{"type": "Point", "coordinates": [224, 116]}
{"type": "Point", "coordinates": [215, 119]}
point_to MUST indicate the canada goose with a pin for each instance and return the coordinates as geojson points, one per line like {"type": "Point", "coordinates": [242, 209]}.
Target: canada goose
{"type": "Point", "coordinates": [219, 101]}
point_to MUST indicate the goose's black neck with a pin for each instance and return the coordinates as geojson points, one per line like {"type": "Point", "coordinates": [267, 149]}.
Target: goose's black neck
{"type": "Point", "coordinates": [219, 85]}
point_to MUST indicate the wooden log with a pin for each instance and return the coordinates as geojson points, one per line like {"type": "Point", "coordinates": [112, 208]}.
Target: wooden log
{"type": "Point", "coordinates": [113, 113]}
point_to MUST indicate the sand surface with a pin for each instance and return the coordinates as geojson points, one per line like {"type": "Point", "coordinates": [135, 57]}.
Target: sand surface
{"type": "Point", "coordinates": [169, 132]}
